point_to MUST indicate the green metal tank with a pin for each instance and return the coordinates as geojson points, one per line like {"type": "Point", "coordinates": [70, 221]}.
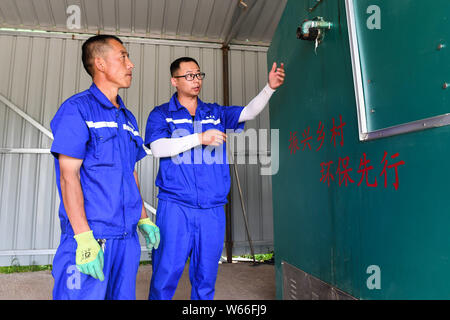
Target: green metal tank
{"type": "Point", "coordinates": [361, 198]}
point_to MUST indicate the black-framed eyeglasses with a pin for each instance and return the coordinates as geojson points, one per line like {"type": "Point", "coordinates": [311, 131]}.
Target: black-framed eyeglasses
{"type": "Point", "coordinates": [191, 76]}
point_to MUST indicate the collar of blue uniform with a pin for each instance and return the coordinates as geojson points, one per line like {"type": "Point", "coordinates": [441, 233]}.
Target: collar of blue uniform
{"type": "Point", "coordinates": [175, 105]}
{"type": "Point", "coordinates": [104, 101]}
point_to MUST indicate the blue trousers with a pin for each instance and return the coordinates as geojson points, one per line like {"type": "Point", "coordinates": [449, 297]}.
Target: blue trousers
{"type": "Point", "coordinates": [121, 263]}
{"type": "Point", "coordinates": [187, 232]}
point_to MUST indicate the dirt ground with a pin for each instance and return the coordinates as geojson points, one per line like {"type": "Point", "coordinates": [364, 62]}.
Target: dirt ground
{"type": "Point", "coordinates": [236, 281]}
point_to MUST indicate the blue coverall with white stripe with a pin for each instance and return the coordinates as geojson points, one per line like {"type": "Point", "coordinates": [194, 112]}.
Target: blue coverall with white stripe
{"type": "Point", "coordinates": [193, 189]}
{"type": "Point", "coordinates": [88, 126]}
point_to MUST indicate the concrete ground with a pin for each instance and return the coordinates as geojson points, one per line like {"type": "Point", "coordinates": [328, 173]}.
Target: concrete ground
{"type": "Point", "coordinates": [236, 281]}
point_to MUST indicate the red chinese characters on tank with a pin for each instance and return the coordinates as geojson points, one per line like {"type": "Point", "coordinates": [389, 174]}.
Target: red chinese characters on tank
{"type": "Point", "coordinates": [366, 174]}
{"type": "Point", "coordinates": [293, 142]}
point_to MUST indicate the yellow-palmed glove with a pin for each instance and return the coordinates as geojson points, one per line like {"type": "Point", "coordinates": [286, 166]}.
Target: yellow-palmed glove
{"type": "Point", "coordinates": [89, 256]}
{"type": "Point", "coordinates": [150, 232]}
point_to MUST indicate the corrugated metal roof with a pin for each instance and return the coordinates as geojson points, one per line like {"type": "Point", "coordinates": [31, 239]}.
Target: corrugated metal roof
{"type": "Point", "coordinates": [197, 20]}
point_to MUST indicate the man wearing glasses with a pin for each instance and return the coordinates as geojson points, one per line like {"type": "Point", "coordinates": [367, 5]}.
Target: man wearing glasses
{"type": "Point", "coordinates": [192, 190]}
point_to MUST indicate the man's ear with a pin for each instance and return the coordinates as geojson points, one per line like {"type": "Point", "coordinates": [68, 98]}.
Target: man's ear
{"type": "Point", "coordinates": [173, 81]}
{"type": "Point", "coordinates": [99, 64]}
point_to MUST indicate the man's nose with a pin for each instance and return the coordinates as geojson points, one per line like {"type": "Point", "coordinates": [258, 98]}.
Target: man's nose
{"type": "Point", "coordinates": [130, 64]}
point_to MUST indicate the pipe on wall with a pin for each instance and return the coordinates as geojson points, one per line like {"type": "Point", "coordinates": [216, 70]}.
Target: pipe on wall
{"type": "Point", "coordinates": [226, 102]}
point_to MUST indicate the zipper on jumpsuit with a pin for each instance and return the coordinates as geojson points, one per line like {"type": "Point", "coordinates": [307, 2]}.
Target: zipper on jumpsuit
{"type": "Point", "coordinates": [201, 147]}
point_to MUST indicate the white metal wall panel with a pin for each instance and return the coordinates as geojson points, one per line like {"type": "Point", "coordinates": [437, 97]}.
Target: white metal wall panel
{"type": "Point", "coordinates": [261, 22]}
{"type": "Point", "coordinates": [43, 14]}
{"type": "Point", "coordinates": [248, 75]}
{"type": "Point", "coordinates": [39, 73]}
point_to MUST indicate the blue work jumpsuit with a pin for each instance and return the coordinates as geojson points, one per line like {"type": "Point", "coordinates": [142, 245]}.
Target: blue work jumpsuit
{"type": "Point", "coordinates": [193, 189]}
{"type": "Point", "coordinates": [88, 126]}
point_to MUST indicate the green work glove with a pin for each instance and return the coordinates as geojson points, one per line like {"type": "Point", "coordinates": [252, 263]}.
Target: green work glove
{"type": "Point", "coordinates": [89, 256]}
{"type": "Point", "coordinates": [150, 232]}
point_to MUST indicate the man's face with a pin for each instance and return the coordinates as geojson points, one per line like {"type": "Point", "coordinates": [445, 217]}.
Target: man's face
{"type": "Point", "coordinates": [184, 87]}
{"type": "Point", "coordinates": [117, 65]}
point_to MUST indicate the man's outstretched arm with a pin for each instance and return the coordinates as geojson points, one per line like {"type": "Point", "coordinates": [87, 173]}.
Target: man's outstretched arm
{"type": "Point", "coordinates": [169, 147]}
{"type": "Point", "coordinates": [276, 79]}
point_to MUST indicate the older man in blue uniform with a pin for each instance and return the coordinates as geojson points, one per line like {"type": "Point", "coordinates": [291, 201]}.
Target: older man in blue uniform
{"type": "Point", "coordinates": [194, 178]}
{"type": "Point", "coordinates": [96, 146]}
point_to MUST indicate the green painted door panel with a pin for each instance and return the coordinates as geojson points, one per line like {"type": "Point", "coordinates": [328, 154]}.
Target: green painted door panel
{"type": "Point", "coordinates": [403, 69]}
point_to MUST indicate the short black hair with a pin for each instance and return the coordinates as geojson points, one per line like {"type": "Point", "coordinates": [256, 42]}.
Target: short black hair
{"type": "Point", "coordinates": [93, 46]}
{"type": "Point", "coordinates": [176, 64]}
